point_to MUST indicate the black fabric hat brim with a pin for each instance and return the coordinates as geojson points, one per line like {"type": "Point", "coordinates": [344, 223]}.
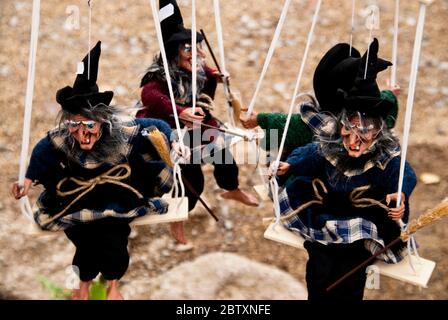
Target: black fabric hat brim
{"type": "Point", "coordinates": [75, 103]}
{"type": "Point", "coordinates": [368, 106]}
{"type": "Point", "coordinates": [180, 37]}
{"type": "Point", "coordinates": [336, 70]}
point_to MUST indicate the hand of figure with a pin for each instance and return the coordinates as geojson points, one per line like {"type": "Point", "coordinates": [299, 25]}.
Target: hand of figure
{"type": "Point", "coordinates": [395, 213]}
{"type": "Point", "coordinates": [205, 102]}
{"type": "Point", "coordinates": [221, 77]}
{"type": "Point", "coordinates": [283, 168]}
{"type": "Point", "coordinates": [249, 122]}
{"type": "Point", "coordinates": [19, 191]}
{"type": "Point", "coordinates": [181, 150]}
{"type": "Point", "coordinates": [395, 89]}
{"type": "Point", "coordinates": [188, 118]}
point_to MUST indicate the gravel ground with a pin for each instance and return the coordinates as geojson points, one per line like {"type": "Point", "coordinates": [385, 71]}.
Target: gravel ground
{"type": "Point", "coordinates": [129, 43]}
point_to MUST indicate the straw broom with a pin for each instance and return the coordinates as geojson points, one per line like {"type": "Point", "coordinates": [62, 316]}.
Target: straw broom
{"type": "Point", "coordinates": [159, 142]}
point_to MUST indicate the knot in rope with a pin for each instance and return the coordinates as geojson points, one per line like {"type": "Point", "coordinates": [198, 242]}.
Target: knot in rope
{"type": "Point", "coordinates": [115, 176]}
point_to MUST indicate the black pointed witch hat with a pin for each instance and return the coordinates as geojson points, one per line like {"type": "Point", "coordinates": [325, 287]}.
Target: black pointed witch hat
{"type": "Point", "coordinates": [173, 30]}
{"type": "Point", "coordinates": [336, 70]}
{"type": "Point", "coordinates": [365, 96]}
{"type": "Point", "coordinates": [85, 92]}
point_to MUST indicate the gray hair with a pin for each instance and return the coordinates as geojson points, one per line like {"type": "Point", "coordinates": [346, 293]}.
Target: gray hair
{"type": "Point", "coordinates": [182, 86]}
{"type": "Point", "coordinates": [385, 143]}
{"type": "Point", "coordinates": [108, 148]}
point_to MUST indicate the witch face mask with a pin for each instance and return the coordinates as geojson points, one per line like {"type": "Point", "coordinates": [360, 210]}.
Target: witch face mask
{"type": "Point", "coordinates": [85, 131]}
{"type": "Point", "coordinates": [357, 136]}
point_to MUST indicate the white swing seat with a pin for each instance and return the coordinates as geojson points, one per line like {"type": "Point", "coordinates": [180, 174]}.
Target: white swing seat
{"type": "Point", "coordinates": [402, 271]}
{"type": "Point", "coordinates": [282, 235]}
{"type": "Point", "coordinates": [32, 229]}
{"type": "Point", "coordinates": [262, 192]}
{"type": "Point", "coordinates": [177, 211]}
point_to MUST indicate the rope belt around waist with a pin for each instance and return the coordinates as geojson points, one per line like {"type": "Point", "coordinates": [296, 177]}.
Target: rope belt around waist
{"type": "Point", "coordinates": [355, 199]}
{"type": "Point", "coordinates": [113, 176]}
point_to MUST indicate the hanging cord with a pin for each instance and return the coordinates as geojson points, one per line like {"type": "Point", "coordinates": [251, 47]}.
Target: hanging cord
{"type": "Point", "coordinates": [194, 58]}
{"type": "Point", "coordinates": [25, 206]}
{"type": "Point", "coordinates": [352, 29]}
{"type": "Point", "coordinates": [223, 70]}
{"type": "Point", "coordinates": [176, 168]}
{"type": "Point", "coordinates": [408, 115]}
{"type": "Point", "coordinates": [155, 14]}
{"type": "Point", "coordinates": [90, 38]}
{"type": "Point", "coordinates": [372, 20]}
{"type": "Point", "coordinates": [269, 56]}
{"type": "Point", "coordinates": [393, 70]}
{"type": "Point", "coordinates": [273, 181]}
{"type": "Point", "coordinates": [438, 212]}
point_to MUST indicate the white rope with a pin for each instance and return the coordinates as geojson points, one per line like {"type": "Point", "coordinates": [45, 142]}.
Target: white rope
{"type": "Point", "coordinates": [218, 24]}
{"type": "Point", "coordinates": [273, 182]}
{"type": "Point", "coordinates": [194, 57]}
{"type": "Point", "coordinates": [269, 56]}
{"type": "Point", "coordinates": [273, 185]}
{"type": "Point", "coordinates": [155, 14]}
{"type": "Point", "coordinates": [352, 29]}
{"type": "Point", "coordinates": [177, 182]}
{"type": "Point", "coordinates": [25, 206]}
{"type": "Point", "coordinates": [393, 71]}
{"type": "Point", "coordinates": [408, 117]}
{"type": "Point", "coordinates": [176, 168]}
{"type": "Point", "coordinates": [368, 41]}
{"type": "Point", "coordinates": [222, 59]}
{"type": "Point", "coordinates": [410, 98]}
{"type": "Point", "coordinates": [90, 38]}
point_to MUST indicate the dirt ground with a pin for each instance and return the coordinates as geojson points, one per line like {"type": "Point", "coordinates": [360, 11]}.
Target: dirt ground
{"type": "Point", "coordinates": [129, 44]}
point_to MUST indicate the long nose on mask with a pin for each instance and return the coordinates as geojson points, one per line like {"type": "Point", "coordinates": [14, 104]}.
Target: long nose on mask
{"type": "Point", "coordinates": [353, 138]}
{"type": "Point", "coordinates": [83, 135]}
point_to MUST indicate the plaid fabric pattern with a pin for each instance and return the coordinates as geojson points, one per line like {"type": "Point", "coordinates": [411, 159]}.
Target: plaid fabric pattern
{"type": "Point", "coordinates": [324, 125]}
{"type": "Point", "coordinates": [163, 184]}
{"type": "Point", "coordinates": [319, 122]}
{"type": "Point", "coordinates": [154, 206]}
{"type": "Point", "coordinates": [339, 231]}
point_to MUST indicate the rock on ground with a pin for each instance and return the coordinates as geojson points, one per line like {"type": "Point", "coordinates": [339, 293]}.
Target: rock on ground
{"type": "Point", "coordinates": [222, 275]}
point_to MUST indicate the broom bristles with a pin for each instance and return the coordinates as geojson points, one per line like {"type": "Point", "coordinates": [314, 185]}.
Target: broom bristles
{"type": "Point", "coordinates": [438, 212]}
{"type": "Point", "coordinates": [159, 142]}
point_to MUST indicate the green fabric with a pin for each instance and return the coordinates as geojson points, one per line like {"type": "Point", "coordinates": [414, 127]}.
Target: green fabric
{"type": "Point", "coordinates": [298, 135]}
{"type": "Point", "coordinates": [392, 116]}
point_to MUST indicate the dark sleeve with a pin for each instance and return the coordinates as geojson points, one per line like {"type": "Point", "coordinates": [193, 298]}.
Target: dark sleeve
{"type": "Point", "coordinates": [44, 162]}
{"type": "Point", "coordinates": [211, 83]}
{"type": "Point", "coordinates": [157, 104]}
{"type": "Point", "coordinates": [391, 118]}
{"type": "Point", "coordinates": [274, 125]}
{"type": "Point", "coordinates": [306, 161]}
{"type": "Point", "coordinates": [409, 181]}
{"type": "Point", "coordinates": [159, 124]}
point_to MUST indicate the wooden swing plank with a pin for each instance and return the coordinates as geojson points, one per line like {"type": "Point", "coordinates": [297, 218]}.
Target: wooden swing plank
{"type": "Point", "coordinates": [402, 271]}
{"type": "Point", "coordinates": [174, 213]}
{"type": "Point", "coordinates": [262, 192]}
{"type": "Point", "coordinates": [282, 235]}
{"type": "Point", "coordinates": [427, 2]}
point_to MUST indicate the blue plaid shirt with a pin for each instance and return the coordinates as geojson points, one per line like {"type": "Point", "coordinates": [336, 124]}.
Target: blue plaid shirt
{"type": "Point", "coordinates": [307, 162]}
{"type": "Point", "coordinates": [49, 165]}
